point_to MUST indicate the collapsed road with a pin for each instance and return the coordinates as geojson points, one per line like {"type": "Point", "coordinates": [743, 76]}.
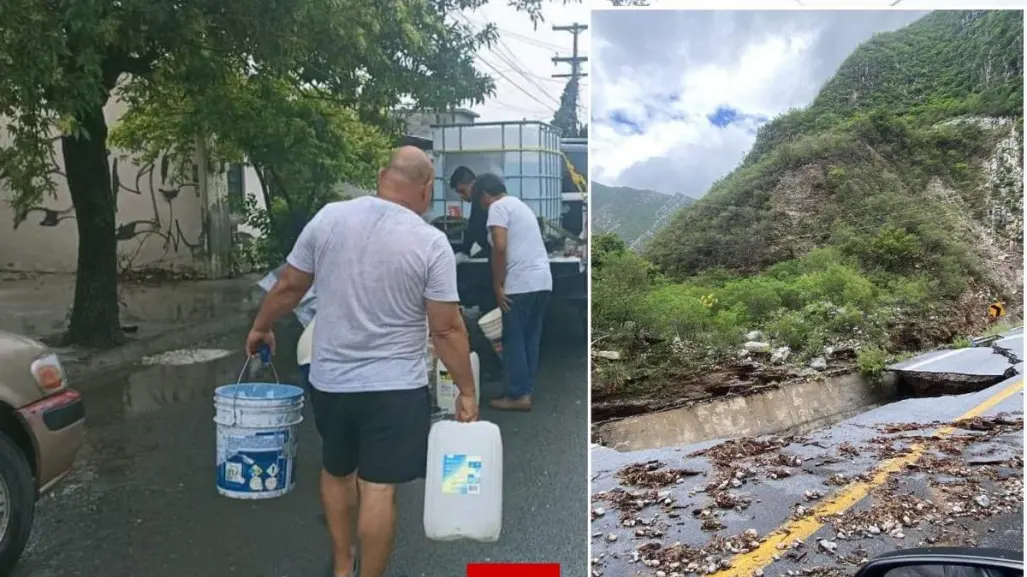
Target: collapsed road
{"type": "Point", "coordinates": [918, 472]}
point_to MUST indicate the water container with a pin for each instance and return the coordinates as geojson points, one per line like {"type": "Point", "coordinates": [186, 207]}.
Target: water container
{"type": "Point", "coordinates": [525, 153]}
{"type": "Point", "coordinates": [463, 490]}
{"type": "Point", "coordinates": [445, 389]}
{"type": "Point", "coordinates": [256, 439]}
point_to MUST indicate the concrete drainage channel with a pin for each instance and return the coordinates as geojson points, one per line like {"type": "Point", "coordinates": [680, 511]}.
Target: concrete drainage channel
{"type": "Point", "coordinates": [802, 407]}
{"type": "Point", "coordinates": [798, 406]}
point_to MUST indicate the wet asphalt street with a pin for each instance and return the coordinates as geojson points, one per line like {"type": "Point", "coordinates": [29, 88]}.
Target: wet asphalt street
{"type": "Point", "coordinates": [142, 499]}
{"type": "Point", "coordinates": [966, 489]}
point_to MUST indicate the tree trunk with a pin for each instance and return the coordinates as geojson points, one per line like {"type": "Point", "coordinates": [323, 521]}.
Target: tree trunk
{"type": "Point", "coordinates": [95, 319]}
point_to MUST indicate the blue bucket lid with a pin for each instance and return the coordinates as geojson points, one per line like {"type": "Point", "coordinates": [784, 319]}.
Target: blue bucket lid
{"type": "Point", "coordinates": [259, 391]}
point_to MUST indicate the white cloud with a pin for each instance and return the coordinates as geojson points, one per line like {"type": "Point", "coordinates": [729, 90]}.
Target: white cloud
{"type": "Point", "coordinates": [745, 85]}
{"type": "Point", "coordinates": [663, 77]}
{"type": "Point", "coordinates": [524, 57]}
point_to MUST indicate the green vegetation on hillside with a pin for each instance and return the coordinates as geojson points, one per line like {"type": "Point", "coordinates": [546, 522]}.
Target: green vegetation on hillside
{"type": "Point", "coordinates": [857, 220]}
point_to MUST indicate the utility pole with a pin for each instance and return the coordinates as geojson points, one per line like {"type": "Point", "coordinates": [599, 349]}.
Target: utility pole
{"type": "Point", "coordinates": [575, 60]}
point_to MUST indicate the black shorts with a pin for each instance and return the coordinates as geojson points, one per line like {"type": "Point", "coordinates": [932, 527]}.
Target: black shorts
{"type": "Point", "coordinates": [380, 435]}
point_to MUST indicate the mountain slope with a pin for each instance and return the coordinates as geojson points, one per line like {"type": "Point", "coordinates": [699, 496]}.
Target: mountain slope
{"type": "Point", "coordinates": [919, 132]}
{"type": "Point", "coordinates": [631, 213]}
{"type": "Point", "coordinates": [882, 219]}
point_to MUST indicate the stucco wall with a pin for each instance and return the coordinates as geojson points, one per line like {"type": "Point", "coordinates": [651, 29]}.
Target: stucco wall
{"type": "Point", "coordinates": [159, 219]}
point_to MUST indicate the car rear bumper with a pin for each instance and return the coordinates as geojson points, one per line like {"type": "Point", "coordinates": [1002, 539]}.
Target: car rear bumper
{"type": "Point", "coordinates": [57, 427]}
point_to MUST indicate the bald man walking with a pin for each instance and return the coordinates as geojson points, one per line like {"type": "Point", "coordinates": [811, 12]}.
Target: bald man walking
{"type": "Point", "coordinates": [378, 269]}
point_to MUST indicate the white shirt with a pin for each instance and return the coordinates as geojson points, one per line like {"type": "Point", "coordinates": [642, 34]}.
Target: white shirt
{"type": "Point", "coordinates": [374, 263]}
{"type": "Point", "coordinates": [527, 262]}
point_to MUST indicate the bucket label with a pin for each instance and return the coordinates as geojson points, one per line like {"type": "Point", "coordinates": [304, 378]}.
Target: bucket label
{"type": "Point", "coordinates": [461, 475]}
{"type": "Point", "coordinates": [256, 463]}
{"type": "Point", "coordinates": [446, 392]}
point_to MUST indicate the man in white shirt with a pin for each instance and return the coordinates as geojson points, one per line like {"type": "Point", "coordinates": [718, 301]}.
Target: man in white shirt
{"type": "Point", "coordinates": [378, 269]}
{"type": "Point", "coordinates": [522, 283]}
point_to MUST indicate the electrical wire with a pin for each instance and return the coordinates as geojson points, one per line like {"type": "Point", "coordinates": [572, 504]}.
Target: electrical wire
{"type": "Point", "coordinates": [514, 84]}
{"type": "Point", "coordinates": [510, 60]}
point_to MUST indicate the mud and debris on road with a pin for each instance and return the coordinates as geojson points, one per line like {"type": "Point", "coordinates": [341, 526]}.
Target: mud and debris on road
{"type": "Point", "coordinates": [958, 482]}
{"type": "Point", "coordinates": [653, 474]}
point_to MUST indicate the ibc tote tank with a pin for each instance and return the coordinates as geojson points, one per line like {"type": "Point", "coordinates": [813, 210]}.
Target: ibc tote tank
{"type": "Point", "coordinates": [525, 153]}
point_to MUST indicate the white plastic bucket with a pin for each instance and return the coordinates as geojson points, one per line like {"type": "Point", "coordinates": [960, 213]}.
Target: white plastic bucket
{"type": "Point", "coordinates": [491, 324]}
{"type": "Point", "coordinates": [256, 439]}
{"type": "Point", "coordinates": [305, 346]}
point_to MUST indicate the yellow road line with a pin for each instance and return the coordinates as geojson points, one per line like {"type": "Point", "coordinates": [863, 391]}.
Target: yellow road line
{"type": "Point", "coordinates": [745, 564]}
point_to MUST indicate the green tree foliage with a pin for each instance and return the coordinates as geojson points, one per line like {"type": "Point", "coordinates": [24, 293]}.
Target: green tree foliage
{"type": "Point", "coordinates": [62, 63]}
{"type": "Point", "coordinates": [301, 145]}
{"type": "Point", "coordinates": [566, 116]}
{"type": "Point", "coordinates": [603, 245]}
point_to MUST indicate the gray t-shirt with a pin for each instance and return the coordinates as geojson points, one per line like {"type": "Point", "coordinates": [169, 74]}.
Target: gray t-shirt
{"type": "Point", "coordinates": [374, 263]}
{"type": "Point", "coordinates": [527, 262]}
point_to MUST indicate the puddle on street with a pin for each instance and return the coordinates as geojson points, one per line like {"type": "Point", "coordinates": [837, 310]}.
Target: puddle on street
{"type": "Point", "coordinates": [148, 389]}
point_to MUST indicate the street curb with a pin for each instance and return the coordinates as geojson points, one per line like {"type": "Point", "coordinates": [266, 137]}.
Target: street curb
{"type": "Point", "coordinates": [84, 364]}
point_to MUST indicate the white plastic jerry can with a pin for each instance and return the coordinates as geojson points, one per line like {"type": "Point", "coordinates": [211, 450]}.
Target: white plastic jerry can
{"type": "Point", "coordinates": [463, 490]}
{"type": "Point", "coordinates": [445, 389]}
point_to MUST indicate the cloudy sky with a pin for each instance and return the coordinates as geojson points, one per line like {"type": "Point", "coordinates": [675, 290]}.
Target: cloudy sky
{"type": "Point", "coordinates": [521, 62]}
{"type": "Point", "coordinates": [678, 95]}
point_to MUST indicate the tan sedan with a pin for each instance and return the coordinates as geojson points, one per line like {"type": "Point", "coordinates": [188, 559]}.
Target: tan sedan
{"type": "Point", "coordinates": [42, 425]}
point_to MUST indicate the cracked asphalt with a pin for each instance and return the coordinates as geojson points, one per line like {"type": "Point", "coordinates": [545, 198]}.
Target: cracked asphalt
{"type": "Point", "coordinates": [141, 501]}
{"type": "Point", "coordinates": [829, 473]}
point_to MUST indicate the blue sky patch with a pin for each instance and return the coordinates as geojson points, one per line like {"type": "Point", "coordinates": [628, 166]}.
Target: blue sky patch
{"type": "Point", "coordinates": [624, 123]}
{"type": "Point", "coordinates": [724, 116]}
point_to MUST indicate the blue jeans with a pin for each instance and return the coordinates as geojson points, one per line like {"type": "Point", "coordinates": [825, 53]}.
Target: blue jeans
{"type": "Point", "coordinates": [522, 336]}
{"type": "Point", "coordinates": [305, 375]}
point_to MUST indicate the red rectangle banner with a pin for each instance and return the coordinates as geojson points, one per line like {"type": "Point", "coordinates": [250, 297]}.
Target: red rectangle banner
{"type": "Point", "coordinates": [513, 570]}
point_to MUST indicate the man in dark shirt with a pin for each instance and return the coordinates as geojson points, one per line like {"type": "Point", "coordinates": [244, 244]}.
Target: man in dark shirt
{"type": "Point", "coordinates": [462, 182]}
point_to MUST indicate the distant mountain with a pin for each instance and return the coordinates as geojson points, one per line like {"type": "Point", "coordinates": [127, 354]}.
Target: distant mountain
{"type": "Point", "coordinates": [633, 214]}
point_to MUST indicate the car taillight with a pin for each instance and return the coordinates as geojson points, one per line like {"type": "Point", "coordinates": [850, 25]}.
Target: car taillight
{"type": "Point", "coordinates": [49, 373]}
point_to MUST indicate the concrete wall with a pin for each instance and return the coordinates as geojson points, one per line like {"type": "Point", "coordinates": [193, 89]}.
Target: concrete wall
{"type": "Point", "coordinates": [791, 407]}
{"type": "Point", "coordinates": [251, 185]}
{"type": "Point", "coordinates": [160, 218]}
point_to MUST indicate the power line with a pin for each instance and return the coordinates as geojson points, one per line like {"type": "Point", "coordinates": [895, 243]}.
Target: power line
{"type": "Point", "coordinates": [515, 85]}
{"type": "Point", "coordinates": [511, 60]}
{"type": "Point", "coordinates": [575, 60]}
